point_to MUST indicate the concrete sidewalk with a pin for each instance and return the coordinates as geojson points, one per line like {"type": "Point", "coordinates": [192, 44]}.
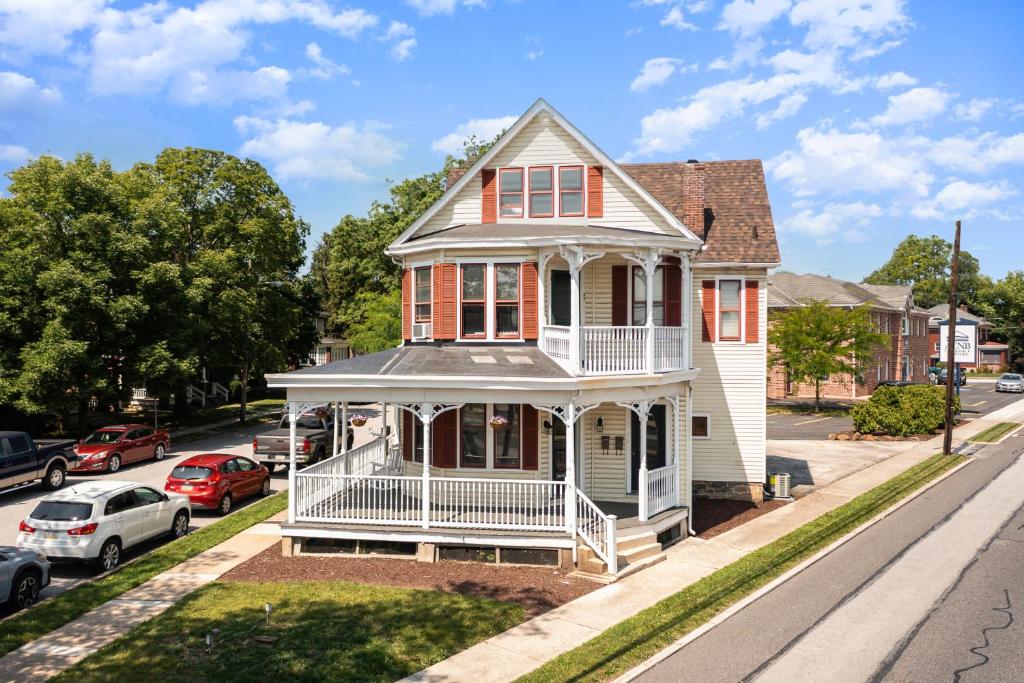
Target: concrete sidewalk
{"type": "Point", "coordinates": [60, 649]}
{"type": "Point", "coordinates": [527, 646]}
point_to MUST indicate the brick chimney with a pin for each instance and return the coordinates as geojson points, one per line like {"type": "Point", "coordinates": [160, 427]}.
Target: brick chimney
{"type": "Point", "coordinates": [693, 196]}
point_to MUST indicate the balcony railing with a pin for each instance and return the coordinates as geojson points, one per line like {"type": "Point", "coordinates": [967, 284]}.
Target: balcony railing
{"type": "Point", "coordinates": [617, 350]}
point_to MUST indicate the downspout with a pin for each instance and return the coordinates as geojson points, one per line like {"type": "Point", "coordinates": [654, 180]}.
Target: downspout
{"type": "Point", "coordinates": [689, 459]}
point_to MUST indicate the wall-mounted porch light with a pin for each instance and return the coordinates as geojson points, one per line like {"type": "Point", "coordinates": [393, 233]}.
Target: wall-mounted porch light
{"type": "Point", "coordinates": [600, 424]}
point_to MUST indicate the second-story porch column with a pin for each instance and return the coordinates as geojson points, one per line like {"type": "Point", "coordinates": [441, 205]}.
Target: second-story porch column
{"type": "Point", "coordinates": [687, 294]}
{"type": "Point", "coordinates": [542, 295]}
{"type": "Point", "coordinates": [642, 410]}
{"type": "Point", "coordinates": [648, 260]}
{"type": "Point", "coordinates": [577, 258]}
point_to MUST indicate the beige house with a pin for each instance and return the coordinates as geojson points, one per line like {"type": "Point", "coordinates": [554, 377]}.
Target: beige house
{"type": "Point", "coordinates": [584, 352]}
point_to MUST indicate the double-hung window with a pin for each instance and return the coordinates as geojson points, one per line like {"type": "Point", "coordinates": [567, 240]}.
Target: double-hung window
{"type": "Point", "coordinates": [506, 440]}
{"type": "Point", "coordinates": [473, 434]}
{"type": "Point", "coordinates": [474, 293]}
{"type": "Point", "coordinates": [729, 310]}
{"type": "Point", "coordinates": [570, 191]}
{"type": "Point", "coordinates": [640, 296]}
{"type": "Point", "coordinates": [542, 199]}
{"type": "Point", "coordinates": [506, 299]}
{"type": "Point", "coordinates": [423, 294]}
{"type": "Point", "coordinates": [510, 185]}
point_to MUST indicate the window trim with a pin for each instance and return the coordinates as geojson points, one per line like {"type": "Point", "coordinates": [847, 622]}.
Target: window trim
{"type": "Point", "coordinates": [462, 454]}
{"type": "Point", "coordinates": [430, 296]}
{"type": "Point", "coordinates": [582, 190]}
{"type": "Point", "coordinates": [494, 435]}
{"type": "Point", "coordinates": [707, 417]}
{"type": "Point", "coordinates": [496, 302]}
{"type": "Point", "coordinates": [463, 302]}
{"type": "Point", "coordinates": [738, 310]}
{"type": "Point", "coordinates": [521, 192]}
{"type": "Point", "coordinates": [530, 192]}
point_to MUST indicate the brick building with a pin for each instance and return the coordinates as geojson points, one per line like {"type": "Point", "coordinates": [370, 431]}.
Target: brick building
{"type": "Point", "coordinates": [993, 356]}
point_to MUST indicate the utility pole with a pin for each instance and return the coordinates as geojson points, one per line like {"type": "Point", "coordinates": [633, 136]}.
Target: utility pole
{"type": "Point", "coordinates": [951, 367]}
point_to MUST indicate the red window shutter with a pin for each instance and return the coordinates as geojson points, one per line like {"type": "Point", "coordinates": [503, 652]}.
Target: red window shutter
{"type": "Point", "coordinates": [443, 440]}
{"type": "Point", "coordinates": [753, 313]}
{"type": "Point", "coordinates": [445, 296]}
{"type": "Point", "coordinates": [673, 295]}
{"type": "Point", "coordinates": [436, 305]}
{"type": "Point", "coordinates": [707, 305]}
{"type": "Point", "coordinates": [530, 444]}
{"type": "Point", "coordinates": [489, 198]}
{"type": "Point", "coordinates": [407, 304]}
{"type": "Point", "coordinates": [529, 300]}
{"type": "Point", "coordinates": [620, 295]}
{"type": "Point", "coordinates": [407, 435]}
{"type": "Point", "coordinates": [595, 191]}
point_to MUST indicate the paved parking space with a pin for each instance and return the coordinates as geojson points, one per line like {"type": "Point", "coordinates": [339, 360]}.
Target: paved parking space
{"type": "Point", "coordinates": [811, 464]}
{"type": "Point", "coordinates": [806, 427]}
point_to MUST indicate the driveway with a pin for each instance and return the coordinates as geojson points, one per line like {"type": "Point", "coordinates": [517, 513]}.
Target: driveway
{"type": "Point", "coordinates": [806, 427]}
{"type": "Point", "coordinates": [812, 464]}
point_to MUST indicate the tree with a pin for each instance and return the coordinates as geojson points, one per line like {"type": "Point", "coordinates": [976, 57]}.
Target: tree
{"type": "Point", "coordinates": [381, 328]}
{"type": "Point", "coordinates": [924, 263]}
{"type": "Point", "coordinates": [1007, 304]}
{"type": "Point", "coordinates": [816, 340]}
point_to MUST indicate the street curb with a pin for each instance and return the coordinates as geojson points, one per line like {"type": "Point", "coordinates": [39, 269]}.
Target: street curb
{"type": "Point", "coordinates": [775, 583]}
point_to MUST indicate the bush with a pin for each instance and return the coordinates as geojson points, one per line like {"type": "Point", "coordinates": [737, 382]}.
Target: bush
{"type": "Point", "coordinates": [902, 411]}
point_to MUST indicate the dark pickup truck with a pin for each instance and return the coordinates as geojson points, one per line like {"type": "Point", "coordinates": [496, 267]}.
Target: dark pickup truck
{"type": "Point", "coordinates": [23, 459]}
{"type": "Point", "coordinates": [314, 435]}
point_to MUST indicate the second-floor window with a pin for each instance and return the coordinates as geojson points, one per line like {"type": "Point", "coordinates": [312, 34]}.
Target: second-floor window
{"type": "Point", "coordinates": [542, 200]}
{"type": "Point", "coordinates": [474, 301]}
{"type": "Point", "coordinates": [729, 310]}
{"type": "Point", "coordinates": [510, 185]}
{"type": "Point", "coordinates": [506, 299]}
{"type": "Point", "coordinates": [423, 294]}
{"type": "Point", "coordinates": [570, 191]}
{"type": "Point", "coordinates": [640, 296]}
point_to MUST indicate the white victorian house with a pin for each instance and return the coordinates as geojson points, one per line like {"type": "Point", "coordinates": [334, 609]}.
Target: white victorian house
{"type": "Point", "coordinates": [584, 351]}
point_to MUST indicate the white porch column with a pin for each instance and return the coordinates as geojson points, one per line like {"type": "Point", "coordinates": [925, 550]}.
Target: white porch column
{"type": "Point", "coordinates": [542, 295]}
{"type": "Point", "coordinates": [344, 433]}
{"type": "Point", "coordinates": [677, 445]}
{"type": "Point", "coordinates": [688, 495]}
{"type": "Point", "coordinates": [292, 415]}
{"type": "Point", "coordinates": [687, 295]}
{"type": "Point", "coordinates": [334, 449]}
{"type": "Point", "coordinates": [570, 468]}
{"type": "Point", "coordinates": [648, 260]}
{"type": "Point", "coordinates": [384, 423]}
{"type": "Point", "coordinates": [642, 410]}
{"type": "Point", "coordinates": [426, 410]}
{"type": "Point", "coordinates": [577, 258]}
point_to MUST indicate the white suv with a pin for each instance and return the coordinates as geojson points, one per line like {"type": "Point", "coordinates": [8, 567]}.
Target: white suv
{"type": "Point", "coordinates": [96, 520]}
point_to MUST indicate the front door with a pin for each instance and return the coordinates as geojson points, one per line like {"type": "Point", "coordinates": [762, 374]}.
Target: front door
{"type": "Point", "coordinates": [557, 450]}
{"type": "Point", "coordinates": [656, 446]}
{"type": "Point", "coordinates": [561, 298]}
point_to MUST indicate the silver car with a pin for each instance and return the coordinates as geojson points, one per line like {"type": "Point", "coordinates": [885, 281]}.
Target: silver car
{"type": "Point", "coordinates": [1011, 382]}
{"type": "Point", "coordinates": [23, 573]}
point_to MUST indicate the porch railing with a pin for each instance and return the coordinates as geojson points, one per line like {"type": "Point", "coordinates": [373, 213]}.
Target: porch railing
{"type": "Point", "coordinates": [661, 489]}
{"type": "Point", "coordinates": [613, 350]}
{"type": "Point", "coordinates": [597, 530]}
{"type": "Point", "coordinates": [556, 342]}
{"type": "Point", "coordinates": [668, 348]}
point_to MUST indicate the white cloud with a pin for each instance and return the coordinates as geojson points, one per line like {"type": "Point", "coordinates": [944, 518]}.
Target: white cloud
{"type": "Point", "coordinates": [316, 150]}
{"type": "Point", "coordinates": [847, 23]}
{"type": "Point", "coordinates": [428, 8]}
{"type": "Point", "coordinates": [14, 154]}
{"type": "Point", "coordinates": [326, 68]}
{"type": "Point", "coordinates": [917, 104]}
{"type": "Point", "coordinates": [833, 162]}
{"type": "Point", "coordinates": [834, 220]}
{"type": "Point", "coordinates": [402, 50]}
{"type": "Point", "coordinates": [960, 198]}
{"type": "Point", "coordinates": [894, 79]}
{"type": "Point", "coordinates": [483, 129]}
{"type": "Point", "coordinates": [400, 35]}
{"type": "Point", "coordinates": [745, 51]}
{"type": "Point", "coordinates": [229, 85]}
{"type": "Point", "coordinates": [398, 29]}
{"type": "Point", "coordinates": [656, 71]}
{"type": "Point", "coordinates": [43, 27]}
{"type": "Point", "coordinates": [748, 17]}
{"type": "Point", "coordinates": [874, 50]}
{"type": "Point", "coordinates": [974, 110]}
{"type": "Point", "coordinates": [675, 18]}
{"type": "Point", "coordinates": [534, 55]}
{"type": "Point", "coordinates": [22, 92]}
{"type": "Point", "coordinates": [788, 107]}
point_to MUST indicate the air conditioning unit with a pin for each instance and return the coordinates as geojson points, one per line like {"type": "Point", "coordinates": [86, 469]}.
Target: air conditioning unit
{"type": "Point", "coordinates": [421, 330]}
{"type": "Point", "coordinates": [779, 482]}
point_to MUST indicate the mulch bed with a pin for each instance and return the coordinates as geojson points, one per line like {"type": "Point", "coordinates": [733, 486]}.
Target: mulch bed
{"type": "Point", "coordinates": [857, 436]}
{"type": "Point", "coordinates": [536, 589]}
{"type": "Point", "coordinates": [713, 517]}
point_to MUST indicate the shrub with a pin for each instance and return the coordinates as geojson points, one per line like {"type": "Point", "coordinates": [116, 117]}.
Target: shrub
{"type": "Point", "coordinates": [902, 411]}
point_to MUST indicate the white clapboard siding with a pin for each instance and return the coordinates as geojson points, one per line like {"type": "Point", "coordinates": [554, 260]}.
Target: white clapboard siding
{"type": "Point", "coordinates": [542, 142]}
{"type": "Point", "coordinates": [604, 474]}
{"type": "Point", "coordinates": [731, 388]}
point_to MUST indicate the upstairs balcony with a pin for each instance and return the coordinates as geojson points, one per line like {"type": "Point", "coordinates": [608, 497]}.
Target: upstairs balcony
{"type": "Point", "coordinates": [617, 350]}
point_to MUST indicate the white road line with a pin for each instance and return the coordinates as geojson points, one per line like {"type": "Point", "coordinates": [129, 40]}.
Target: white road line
{"type": "Point", "coordinates": [801, 424]}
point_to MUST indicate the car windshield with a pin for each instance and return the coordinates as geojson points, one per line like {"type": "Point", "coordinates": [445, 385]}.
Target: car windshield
{"type": "Point", "coordinates": [191, 472]}
{"type": "Point", "coordinates": [62, 511]}
{"type": "Point", "coordinates": [1012, 377]}
{"type": "Point", "coordinates": [103, 436]}
{"type": "Point", "coordinates": [305, 422]}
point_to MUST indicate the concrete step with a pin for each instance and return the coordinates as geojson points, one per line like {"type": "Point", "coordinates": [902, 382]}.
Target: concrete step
{"type": "Point", "coordinates": [640, 552]}
{"type": "Point", "coordinates": [634, 567]}
{"type": "Point", "coordinates": [624, 543]}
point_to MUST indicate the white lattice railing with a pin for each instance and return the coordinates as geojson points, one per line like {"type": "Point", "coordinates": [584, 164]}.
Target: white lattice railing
{"type": "Point", "coordinates": [661, 489]}
{"type": "Point", "coordinates": [219, 390]}
{"type": "Point", "coordinates": [597, 530]}
{"type": "Point", "coordinates": [556, 342]}
{"type": "Point", "coordinates": [140, 394]}
{"type": "Point", "coordinates": [498, 504]}
{"type": "Point", "coordinates": [613, 350]}
{"type": "Point", "coordinates": [668, 348]}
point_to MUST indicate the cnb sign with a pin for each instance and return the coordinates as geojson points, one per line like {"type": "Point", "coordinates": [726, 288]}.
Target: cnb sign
{"type": "Point", "coordinates": [965, 349]}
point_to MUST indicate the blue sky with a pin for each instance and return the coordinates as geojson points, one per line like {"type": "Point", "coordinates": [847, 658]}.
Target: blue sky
{"type": "Point", "coordinates": [875, 118]}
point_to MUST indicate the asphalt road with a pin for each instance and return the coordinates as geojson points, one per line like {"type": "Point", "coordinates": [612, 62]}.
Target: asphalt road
{"type": "Point", "coordinates": [15, 505]}
{"type": "Point", "coordinates": [932, 592]}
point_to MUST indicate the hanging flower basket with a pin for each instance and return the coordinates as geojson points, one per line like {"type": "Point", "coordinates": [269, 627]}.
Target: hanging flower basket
{"type": "Point", "coordinates": [498, 422]}
{"type": "Point", "coordinates": [358, 420]}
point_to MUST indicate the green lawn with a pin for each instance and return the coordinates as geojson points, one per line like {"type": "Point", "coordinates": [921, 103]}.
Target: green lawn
{"type": "Point", "coordinates": [636, 639]}
{"type": "Point", "coordinates": [205, 416]}
{"type": "Point", "coordinates": [48, 615]}
{"type": "Point", "coordinates": [325, 630]}
{"type": "Point", "coordinates": [995, 432]}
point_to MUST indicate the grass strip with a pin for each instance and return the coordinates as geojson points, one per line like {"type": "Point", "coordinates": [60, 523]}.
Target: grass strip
{"type": "Point", "coordinates": [638, 638]}
{"type": "Point", "coordinates": [799, 409]}
{"type": "Point", "coordinates": [24, 627]}
{"type": "Point", "coordinates": [995, 432]}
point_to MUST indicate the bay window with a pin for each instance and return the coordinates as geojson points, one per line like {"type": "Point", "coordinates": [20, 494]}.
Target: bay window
{"type": "Point", "coordinates": [474, 294]}
{"type": "Point", "coordinates": [506, 440]}
{"type": "Point", "coordinates": [510, 186]}
{"type": "Point", "coordinates": [729, 310]}
{"type": "Point", "coordinates": [570, 191]}
{"type": "Point", "coordinates": [506, 299]}
{"type": "Point", "coordinates": [423, 294]}
{"type": "Point", "coordinates": [542, 199]}
{"type": "Point", "coordinates": [640, 296]}
{"type": "Point", "coordinates": [473, 435]}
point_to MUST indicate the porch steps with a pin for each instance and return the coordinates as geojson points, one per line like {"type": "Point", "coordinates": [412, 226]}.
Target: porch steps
{"type": "Point", "coordinates": [636, 551]}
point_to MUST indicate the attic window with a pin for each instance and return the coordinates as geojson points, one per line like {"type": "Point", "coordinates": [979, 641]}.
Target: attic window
{"type": "Point", "coordinates": [570, 191]}
{"type": "Point", "coordinates": [511, 189]}
{"type": "Point", "coordinates": [541, 192]}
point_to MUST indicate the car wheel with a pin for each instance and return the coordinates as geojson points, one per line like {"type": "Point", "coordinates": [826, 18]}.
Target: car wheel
{"type": "Point", "coordinates": [265, 488]}
{"type": "Point", "coordinates": [271, 466]}
{"type": "Point", "coordinates": [55, 477]}
{"type": "Point", "coordinates": [25, 591]}
{"type": "Point", "coordinates": [110, 554]}
{"type": "Point", "coordinates": [224, 507]}
{"type": "Point", "coordinates": [114, 463]}
{"type": "Point", "coordinates": [160, 452]}
{"type": "Point", "coordinates": [179, 527]}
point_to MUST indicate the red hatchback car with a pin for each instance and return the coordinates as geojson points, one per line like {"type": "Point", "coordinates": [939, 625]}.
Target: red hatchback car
{"type": "Point", "coordinates": [216, 481]}
{"type": "Point", "coordinates": [107, 449]}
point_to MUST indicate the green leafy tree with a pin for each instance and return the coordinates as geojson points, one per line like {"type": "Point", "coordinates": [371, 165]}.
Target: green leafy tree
{"type": "Point", "coordinates": [1007, 303]}
{"type": "Point", "coordinates": [924, 263]}
{"type": "Point", "coordinates": [381, 328]}
{"type": "Point", "coordinates": [816, 340]}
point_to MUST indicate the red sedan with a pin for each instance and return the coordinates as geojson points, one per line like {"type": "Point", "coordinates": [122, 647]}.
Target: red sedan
{"type": "Point", "coordinates": [107, 449]}
{"type": "Point", "coordinates": [216, 481]}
